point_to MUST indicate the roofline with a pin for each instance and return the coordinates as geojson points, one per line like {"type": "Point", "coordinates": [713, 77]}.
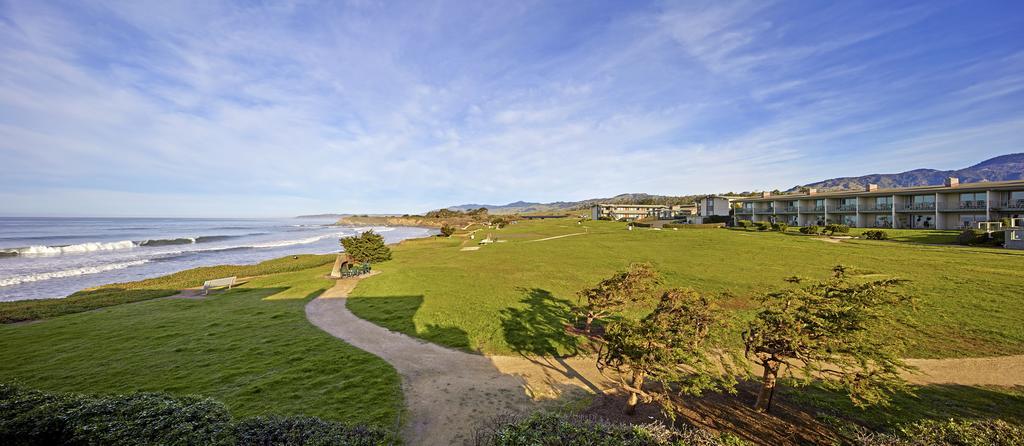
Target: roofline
{"type": "Point", "coordinates": [962, 187]}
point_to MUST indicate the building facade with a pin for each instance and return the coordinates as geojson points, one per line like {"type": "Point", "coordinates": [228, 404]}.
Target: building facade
{"type": "Point", "coordinates": [638, 212]}
{"type": "Point", "coordinates": [950, 206]}
{"type": "Point", "coordinates": [714, 205]}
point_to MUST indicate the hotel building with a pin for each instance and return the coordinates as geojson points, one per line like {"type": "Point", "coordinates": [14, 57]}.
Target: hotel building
{"type": "Point", "coordinates": [950, 206]}
{"type": "Point", "coordinates": [638, 212]}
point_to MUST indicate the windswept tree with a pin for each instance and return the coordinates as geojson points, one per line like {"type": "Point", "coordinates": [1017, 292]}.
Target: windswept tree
{"type": "Point", "coordinates": [633, 285]}
{"type": "Point", "coordinates": [669, 349]}
{"type": "Point", "coordinates": [366, 247]}
{"type": "Point", "coordinates": [447, 230]}
{"type": "Point", "coordinates": [838, 331]}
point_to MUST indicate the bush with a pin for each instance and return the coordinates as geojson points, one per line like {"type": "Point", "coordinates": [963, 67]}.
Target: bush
{"type": "Point", "coordinates": [716, 219]}
{"type": "Point", "coordinates": [693, 226]}
{"type": "Point", "coordinates": [744, 223]}
{"type": "Point", "coordinates": [833, 228]}
{"type": "Point", "coordinates": [640, 225]}
{"type": "Point", "coordinates": [447, 230]}
{"type": "Point", "coordinates": [575, 430]}
{"type": "Point", "coordinates": [763, 225]}
{"type": "Point", "coordinates": [781, 227]}
{"type": "Point", "coordinates": [366, 247]}
{"type": "Point", "coordinates": [969, 236]}
{"type": "Point", "coordinates": [950, 432]}
{"type": "Point", "coordinates": [31, 417]}
{"type": "Point", "coordinates": [812, 229]}
{"type": "Point", "coordinates": [875, 234]}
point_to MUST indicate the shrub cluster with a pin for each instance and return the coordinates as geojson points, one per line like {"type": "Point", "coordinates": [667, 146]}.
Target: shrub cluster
{"type": "Point", "coordinates": [693, 226]}
{"type": "Point", "coordinates": [744, 223]}
{"type": "Point", "coordinates": [575, 430]}
{"type": "Point", "coordinates": [812, 229]}
{"type": "Point", "coordinates": [447, 230]}
{"type": "Point", "coordinates": [31, 417]}
{"type": "Point", "coordinates": [763, 225]}
{"type": "Point", "coordinates": [833, 228]}
{"type": "Point", "coordinates": [366, 247]}
{"type": "Point", "coordinates": [875, 234]}
{"type": "Point", "coordinates": [780, 227]}
{"type": "Point", "coordinates": [949, 432]}
{"type": "Point", "coordinates": [716, 219]}
{"type": "Point", "coordinates": [979, 237]}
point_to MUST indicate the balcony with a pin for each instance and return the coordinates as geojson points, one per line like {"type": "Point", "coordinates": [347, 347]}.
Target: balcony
{"type": "Point", "coordinates": [810, 209]}
{"type": "Point", "coordinates": [844, 208]}
{"type": "Point", "coordinates": [877, 207]}
{"type": "Point", "coordinates": [746, 211]}
{"type": "Point", "coordinates": [912, 207]}
{"type": "Point", "coordinates": [1012, 205]}
{"type": "Point", "coordinates": [787, 210]}
{"type": "Point", "coordinates": [767, 210]}
{"type": "Point", "coordinates": [972, 205]}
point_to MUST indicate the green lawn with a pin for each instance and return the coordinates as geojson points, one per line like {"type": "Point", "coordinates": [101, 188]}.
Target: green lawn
{"type": "Point", "coordinates": [515, 296]}
{"type": "Point", "coordinates": [250, 348]}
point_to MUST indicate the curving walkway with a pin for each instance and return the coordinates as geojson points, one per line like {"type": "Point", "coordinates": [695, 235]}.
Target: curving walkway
{"type": "Point", "coordinates": [449, 392]}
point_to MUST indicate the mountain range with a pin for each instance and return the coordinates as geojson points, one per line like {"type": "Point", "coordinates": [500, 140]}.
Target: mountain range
{"type": "Point", "coordinates": [1001, 168]}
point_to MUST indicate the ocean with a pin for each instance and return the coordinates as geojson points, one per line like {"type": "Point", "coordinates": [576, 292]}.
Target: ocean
{"type": "Point", "coordinates": [54, 257]}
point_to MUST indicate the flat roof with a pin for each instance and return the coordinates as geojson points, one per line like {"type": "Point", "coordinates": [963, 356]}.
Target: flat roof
{"type": "Point", "coordinates": [962, 187]}
{"type": "Point", "coordinates": [634, 205]}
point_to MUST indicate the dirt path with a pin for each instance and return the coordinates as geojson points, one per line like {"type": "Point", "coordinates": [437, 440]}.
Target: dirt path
{"type": "Point", "coordinates": [449, 392]}
{"type": "Point", "coordinates": [557, 237]}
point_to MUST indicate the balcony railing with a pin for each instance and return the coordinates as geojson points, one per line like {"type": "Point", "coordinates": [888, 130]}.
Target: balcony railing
{"type": "Point", "coordinates": [971, 205]}
{"type": "Point", "coordinates": [744, 211]}
{"type": "Point", "coordinates": [767, 210]}
{"type": "Point", "coordinates": [812, 209]}
{"type": "Point", "coordinates": [845, 208]}
{"type": "Point", "coordinates": [1010, 205]}
{"type": "Point", "coordinates": [787, 210]}
{"type": "Point", "coordinates": [917, 207]}
{"type": "Point", "coordinates": [886, 207]}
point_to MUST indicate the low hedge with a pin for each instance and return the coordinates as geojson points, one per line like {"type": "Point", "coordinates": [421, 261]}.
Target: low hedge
{"type": "Point", "coordinates": [833, 228]}
{"type": "Point", "coordinates": [744, 223]}
{"type": "Point", "coordinates": [810, 229]}
{"type": "Point", "coordinates": [574, 430]}
{"type": "Point", "coordinates": [762, 225]}
{"type": "Point", "coordinates": [949, 432]}
{"type": "Point", "coordinates": [780, 227]}
{"type": "Point", "coordinates": [694, 226]}
{"type": "Point", "coordinates": [32, 417]}
{"type": "Point", "coordinates": [874, 234]}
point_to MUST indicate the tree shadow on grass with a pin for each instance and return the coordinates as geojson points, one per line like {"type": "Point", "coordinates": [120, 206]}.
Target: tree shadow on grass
{"type": "Point", "coordinates": [397, 313]}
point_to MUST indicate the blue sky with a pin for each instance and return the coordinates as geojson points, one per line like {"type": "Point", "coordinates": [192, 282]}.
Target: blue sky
{"type": "Point", "coordinates": [212, 108]}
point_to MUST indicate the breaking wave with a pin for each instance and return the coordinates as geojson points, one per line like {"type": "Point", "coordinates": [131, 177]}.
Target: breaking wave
{"type": "Point", "coordinates": [69, 273]}
{"type": "Point", "coordinates": [70, 249]}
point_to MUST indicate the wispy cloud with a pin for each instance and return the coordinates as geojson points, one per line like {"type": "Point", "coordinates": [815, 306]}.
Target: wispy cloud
{"type": "Point", "coordinates": [277, 108]}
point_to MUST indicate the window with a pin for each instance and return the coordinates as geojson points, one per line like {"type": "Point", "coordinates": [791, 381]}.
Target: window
{"type": "Point", "coordinates": [883, 200]}
{"type": "Point", "coordinates": [971, 220]}
{"type": "Point", "coordinates": [883, 221]}
{"type": "Point", "coordinates": [1017, 195]}
{"type": "Point", "coordinates": [850, 220]}
{"type": "Point", "coordinates": [924, 199]}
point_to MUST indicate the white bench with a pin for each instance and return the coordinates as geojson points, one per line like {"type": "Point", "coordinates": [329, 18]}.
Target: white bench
{"type": "Point", "coordinates": [227, 281]}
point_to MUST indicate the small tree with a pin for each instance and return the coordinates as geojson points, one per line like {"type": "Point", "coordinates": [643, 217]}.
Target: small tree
{"type": "Point", "coordinates": [366, 247]}
{"type": "Point", "coordinates": [447, 230]}
{"type": "Point", "coordinates": [833, 228]}
{"type": "Point", "coordinates": [613, 294]}
{"type": "Point", "coordinates": [833, 330]}
{"type": "Point", "coordinates": [668, 348]}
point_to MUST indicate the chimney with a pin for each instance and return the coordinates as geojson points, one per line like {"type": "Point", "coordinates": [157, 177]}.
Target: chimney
{"type": "Point", "coordinates": [766, 194]}
{"type": "Point", "coordinates": [812, 191]}
{"type": "Point", "coordinates": [952, 182]}
{"type": "Point", "coordinates": [871, 188]}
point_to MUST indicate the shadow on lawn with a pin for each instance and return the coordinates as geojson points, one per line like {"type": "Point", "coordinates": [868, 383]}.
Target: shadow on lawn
{"type": "Point", "coordinates": [397, 313]}
{"type": "Point", "coordinates": [538, 326]}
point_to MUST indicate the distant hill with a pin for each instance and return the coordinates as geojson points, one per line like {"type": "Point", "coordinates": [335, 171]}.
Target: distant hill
{"type": "Point", "coordinates": [524, 207]}
{"type": "Point", "coordinates": [1001, 168]}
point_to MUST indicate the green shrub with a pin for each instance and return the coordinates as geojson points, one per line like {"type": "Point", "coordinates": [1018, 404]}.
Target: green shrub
{"type": "Point", "coordinates": [694, 226]}
{"type": "Point", "coordinates": [1006, 222]}
{"type": "Point", "coordinates": [716, 219]}
{"type": "Point", "coordinates": [763, 225]}
{"type": "Point", "coordinates": [447, 230]}
{"type": "Point", "coordinates": [780, 227]}
{"type": "Point", "coordinates": [366, 247]}
{"type": "Point", "coordinates": [574, 430]}
{"type": "Point", "coordinates": [875, 234]}
{"type": "Point", "coordinates": [744, 223]}
{"type": "Point", "coordinates": [833, 228]}
{"type": "Point", "coordinates": [31, 417]}
{"type": "Point", "coordinates": [969, 236]}
{"type": "Point", "coordinates": [949, 432]}
{"type": "Point", "coordinates": [812, 229]}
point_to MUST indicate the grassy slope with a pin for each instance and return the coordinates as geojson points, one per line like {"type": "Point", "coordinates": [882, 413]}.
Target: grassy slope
{"type": "Point", "coordinates": [515, 296]}
{"type": "Point", "coordinates": [251, 348]}
{"type": "Point", "coordinates": [121, 293]}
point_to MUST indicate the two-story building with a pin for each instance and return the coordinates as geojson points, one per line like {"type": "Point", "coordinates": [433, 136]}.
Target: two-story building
{"type": "Point", "coordinates": [952, 205]}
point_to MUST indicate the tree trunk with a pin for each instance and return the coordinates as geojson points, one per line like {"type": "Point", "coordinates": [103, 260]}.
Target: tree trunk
{"type": "Point", "coordinates": [634, 395]}
{"type": "Point", "coordinates": [336, 270]}
{"type": "Point", "coordinates": [590, 321]}
{"type": "Point", "coordinates": [768, 379]}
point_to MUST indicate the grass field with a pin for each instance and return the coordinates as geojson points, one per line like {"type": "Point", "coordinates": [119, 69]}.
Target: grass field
{"type": "Point", "coordinates": [250, 348]}
{"type": "Point", "coordinates": [515, 297]}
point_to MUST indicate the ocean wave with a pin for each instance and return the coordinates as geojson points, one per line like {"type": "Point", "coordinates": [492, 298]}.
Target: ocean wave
{"type": "Point", "coordinates": [282, 243]}
{"type": "Point", "coordinates": [168, 241]}
{"type": "Point", "coordinates": [69, 273]}
{"type": "Point", "coordinates": [42, 250]}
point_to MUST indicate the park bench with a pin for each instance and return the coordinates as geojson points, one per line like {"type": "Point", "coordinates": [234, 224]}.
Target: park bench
{"type": "Point", "coordinates": [214, 283]}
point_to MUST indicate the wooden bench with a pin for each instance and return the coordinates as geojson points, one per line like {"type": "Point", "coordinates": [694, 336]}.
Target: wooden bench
{"type": "Point", "coordinates": [227, 281]}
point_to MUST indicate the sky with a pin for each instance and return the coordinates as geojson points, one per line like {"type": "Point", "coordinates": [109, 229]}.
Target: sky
{"type": "Point", "coordinates": [253, 109]}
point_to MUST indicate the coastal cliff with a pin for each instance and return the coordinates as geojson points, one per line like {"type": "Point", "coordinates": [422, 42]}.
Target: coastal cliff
{"type": "Point", "coordinates": [423, 222]}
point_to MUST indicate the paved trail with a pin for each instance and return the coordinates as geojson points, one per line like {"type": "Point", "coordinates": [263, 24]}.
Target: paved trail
{"type": "Point", "coordinates": [449, 392]}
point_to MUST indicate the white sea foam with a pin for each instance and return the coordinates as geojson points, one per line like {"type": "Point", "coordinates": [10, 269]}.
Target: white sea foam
{"type": "Point", "coordinates": [69, 273]}
{"type": "Point", "coordinates": [281, 243]}
{"type": "Point", "coordinates": [75, 249]}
